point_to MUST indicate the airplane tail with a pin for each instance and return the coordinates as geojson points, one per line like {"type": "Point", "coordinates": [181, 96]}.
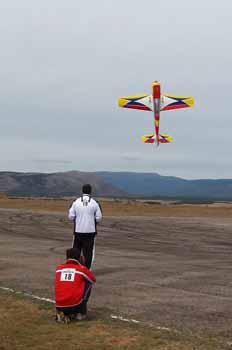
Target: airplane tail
{"type": "Point", "coordinates": [151, 138]}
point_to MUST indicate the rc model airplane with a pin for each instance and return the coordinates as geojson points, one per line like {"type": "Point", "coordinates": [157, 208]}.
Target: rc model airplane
{"type": "Point", "coordinates": [156, 103]}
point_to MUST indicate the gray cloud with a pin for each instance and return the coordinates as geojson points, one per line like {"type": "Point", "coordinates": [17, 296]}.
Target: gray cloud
{"type": "Point", "coordinates": [53, 161]}
{"type": "Point", "coordinates": [63, 66]}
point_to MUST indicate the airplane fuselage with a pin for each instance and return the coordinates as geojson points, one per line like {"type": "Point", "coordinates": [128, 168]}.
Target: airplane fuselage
{"type": "Point", "coordinates": [156, 104]}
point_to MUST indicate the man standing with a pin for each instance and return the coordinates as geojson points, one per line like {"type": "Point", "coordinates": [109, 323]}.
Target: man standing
{"type": "Point", "coordinates": [72, 288]}
{"type": "Point", "coordinates": [86, 213]}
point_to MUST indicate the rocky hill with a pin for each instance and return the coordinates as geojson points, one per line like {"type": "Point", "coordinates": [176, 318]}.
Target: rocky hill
{"type": "Point", "coordinates": [113, 184]}
{"type": "Point", "coordinates": [55, 184]}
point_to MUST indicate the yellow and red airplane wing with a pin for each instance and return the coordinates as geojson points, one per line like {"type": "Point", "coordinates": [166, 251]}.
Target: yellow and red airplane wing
{"type": "Point", "coordinates": [143, 102]}
{"type": "Point", "coordinates": [168, 102]}
{"type": "Point", "coordinates": [151, 138]}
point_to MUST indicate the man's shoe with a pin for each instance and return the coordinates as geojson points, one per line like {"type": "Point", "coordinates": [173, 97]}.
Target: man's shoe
{"type": "Point", "coordinates": [62, 318]}
{"type": "Point", "coordinates": [59, 317]}
{"type": "Point", "coordinates": [80, 317]}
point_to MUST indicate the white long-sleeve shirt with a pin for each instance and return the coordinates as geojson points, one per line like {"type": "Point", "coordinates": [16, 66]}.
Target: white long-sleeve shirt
{"type": "Point", "coordinates": [86, 212]}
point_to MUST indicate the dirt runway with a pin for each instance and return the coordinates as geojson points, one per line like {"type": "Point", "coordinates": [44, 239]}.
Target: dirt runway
{"type": "Point", "coordinates": [169, 271]}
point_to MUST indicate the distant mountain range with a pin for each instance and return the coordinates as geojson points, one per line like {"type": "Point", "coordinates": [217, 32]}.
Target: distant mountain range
{"type": "Point", "coordinates": [113, 184]}
{"type": "Point", "coordinates": [155, 185]}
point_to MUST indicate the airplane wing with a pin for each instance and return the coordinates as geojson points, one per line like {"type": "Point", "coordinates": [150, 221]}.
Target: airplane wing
{"type": "Point", "coordinates": [143, 102]}
{"type": "Point", "coordinates": [151, 138]}
{"type": "Point", "coordinates": [169, 102]}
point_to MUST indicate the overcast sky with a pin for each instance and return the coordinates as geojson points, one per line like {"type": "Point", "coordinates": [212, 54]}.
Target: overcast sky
{"type": "Point", "coordinates": [65, 63]}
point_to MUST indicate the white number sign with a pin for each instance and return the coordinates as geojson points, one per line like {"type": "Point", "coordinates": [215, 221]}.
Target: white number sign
{"type": "Point", "coordinates": [67, 275]}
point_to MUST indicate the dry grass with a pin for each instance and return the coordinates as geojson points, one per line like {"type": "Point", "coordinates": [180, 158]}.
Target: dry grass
{"type": "Point", "coordinates": [27, 325]}
{"type": "Point", "coordinates": [124, 207]}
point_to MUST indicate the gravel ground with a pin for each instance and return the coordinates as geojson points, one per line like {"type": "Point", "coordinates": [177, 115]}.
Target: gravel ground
{"type": "Point", "coordinates": [171, 272]}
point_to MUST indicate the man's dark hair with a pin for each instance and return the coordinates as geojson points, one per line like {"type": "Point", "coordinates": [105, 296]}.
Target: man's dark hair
{"type": "Point", "coordinates": [73, 253]}
{"type": "Point", "coordinates": [87, 189]}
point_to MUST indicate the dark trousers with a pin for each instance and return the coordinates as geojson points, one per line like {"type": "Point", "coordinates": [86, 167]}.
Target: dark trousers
{"type": "Point", "coordinates": [80, 308]}
{"type": "Point", "coordinates": [84, 242]}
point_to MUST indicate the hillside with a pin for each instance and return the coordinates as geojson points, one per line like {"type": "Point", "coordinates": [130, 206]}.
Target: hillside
{"type": "Point", "coordinates": [55, 184]}
{"type": "Point", "coordinates": [114, 184]}
{"type": "Point", "coordinates": [155, 185]}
